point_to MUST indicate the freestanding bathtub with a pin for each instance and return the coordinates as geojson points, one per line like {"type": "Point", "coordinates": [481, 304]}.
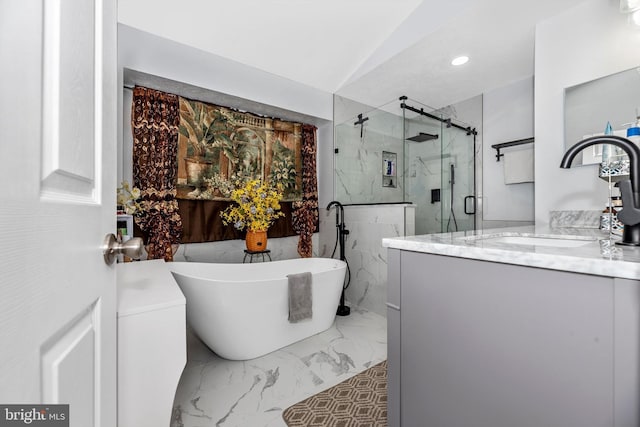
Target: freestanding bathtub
{"type": "Point", "coordinates": [241, 310]}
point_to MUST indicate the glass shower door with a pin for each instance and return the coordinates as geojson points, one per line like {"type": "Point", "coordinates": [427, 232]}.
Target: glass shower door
{"type": "Point", "coordinates": [439, 173]}
{"type": "Point", "coordinates": [423, 174]}
{"type": "Point", "coordinates": [458, 177]}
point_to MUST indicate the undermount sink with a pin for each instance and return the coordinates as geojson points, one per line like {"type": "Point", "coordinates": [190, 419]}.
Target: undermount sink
{"type": "Point", "coordinates": [558, 242]}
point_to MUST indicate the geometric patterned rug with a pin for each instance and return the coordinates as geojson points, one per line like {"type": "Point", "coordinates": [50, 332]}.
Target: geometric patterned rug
{"type": "Point", "coordinates": [358, 401]}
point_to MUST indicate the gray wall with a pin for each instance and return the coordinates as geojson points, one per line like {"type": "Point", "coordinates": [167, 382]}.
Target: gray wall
{"type": "Point", "coordinates": [589, 41]}
{"type": "Point", "coordinates": [507, 116]}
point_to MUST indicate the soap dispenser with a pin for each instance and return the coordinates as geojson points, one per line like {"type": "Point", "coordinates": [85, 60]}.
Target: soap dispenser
{"type": "Point", "coordinates": [633, 131]}
{"type": "Point", "coordinates": [606, 155]}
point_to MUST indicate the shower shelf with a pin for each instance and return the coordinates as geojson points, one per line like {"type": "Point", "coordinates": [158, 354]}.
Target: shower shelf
{"type": "Point", "coordinates": [510, 144]}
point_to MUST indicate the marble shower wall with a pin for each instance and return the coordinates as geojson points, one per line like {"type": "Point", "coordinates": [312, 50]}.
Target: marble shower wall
{"type": "Point", "coordinates": [367, 259]}
{"type": "Point", "coordinates": [358, 162]}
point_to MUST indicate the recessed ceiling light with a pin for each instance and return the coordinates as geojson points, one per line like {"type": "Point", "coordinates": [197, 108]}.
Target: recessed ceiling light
{"type": "Point", "coordinates": [460, 60]}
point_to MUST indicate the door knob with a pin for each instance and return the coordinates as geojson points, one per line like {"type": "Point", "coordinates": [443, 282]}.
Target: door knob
{"type": "Point", "coordinates": [111, 247]}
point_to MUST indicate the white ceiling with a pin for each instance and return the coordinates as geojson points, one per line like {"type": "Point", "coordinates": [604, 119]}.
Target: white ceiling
{"type": "Point", "coordinates": [371, 51]}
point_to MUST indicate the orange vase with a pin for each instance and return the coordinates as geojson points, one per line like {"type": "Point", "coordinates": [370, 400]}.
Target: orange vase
{"type": "Point", "coordinates": [256, 240]}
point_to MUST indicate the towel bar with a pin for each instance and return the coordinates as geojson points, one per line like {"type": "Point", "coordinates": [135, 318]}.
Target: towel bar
{"type": "Point", "coordinates": [510, 144]}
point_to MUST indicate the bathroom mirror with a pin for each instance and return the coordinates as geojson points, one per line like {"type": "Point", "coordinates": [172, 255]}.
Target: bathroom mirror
{"type": "Point", "coordinates": [589, 106]}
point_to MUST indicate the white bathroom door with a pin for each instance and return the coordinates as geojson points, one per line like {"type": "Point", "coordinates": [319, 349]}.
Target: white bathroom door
{"type": "Point", "coordinates": [58, 94]}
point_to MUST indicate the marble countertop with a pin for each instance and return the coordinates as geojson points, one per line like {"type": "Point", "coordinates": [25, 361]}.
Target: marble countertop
{"type": "Point", "coordinates": [579, 250]}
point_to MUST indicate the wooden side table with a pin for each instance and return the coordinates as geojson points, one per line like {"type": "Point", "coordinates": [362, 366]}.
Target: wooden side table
{"type": "Point", "coordinates": [251, 254]}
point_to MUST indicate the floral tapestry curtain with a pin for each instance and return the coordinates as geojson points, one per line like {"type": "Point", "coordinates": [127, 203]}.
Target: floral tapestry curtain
{"type": "Point", "coordinates": [155, 119]}
{"type": "Point", "coordinates": [305, 215]}
{"type": "Point", "coordinates": [219, 147]}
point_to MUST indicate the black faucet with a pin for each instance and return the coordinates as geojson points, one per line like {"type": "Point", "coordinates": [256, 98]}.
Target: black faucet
{"type": "Point", "coordinates": [343, 310]}
{"type": "Point", "coordinates": [629, 188]}
{"type": "Point", "coordinates": [339, 212]}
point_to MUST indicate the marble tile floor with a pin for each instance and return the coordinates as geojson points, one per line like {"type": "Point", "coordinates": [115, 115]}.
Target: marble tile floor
{"type": "Point", "coordinates": [214, 392]}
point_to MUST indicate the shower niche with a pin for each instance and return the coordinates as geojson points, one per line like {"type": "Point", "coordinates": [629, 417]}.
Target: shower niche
{"type": "Point", "coordinates": [389, 174]}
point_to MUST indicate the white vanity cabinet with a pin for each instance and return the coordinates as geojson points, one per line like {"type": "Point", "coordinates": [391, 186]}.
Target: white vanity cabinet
{"type": "Point", "coordinates": [485, 344]}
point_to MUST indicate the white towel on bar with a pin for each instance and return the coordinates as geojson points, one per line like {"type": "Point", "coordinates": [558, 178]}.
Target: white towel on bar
{"type": "Point", "coordinates": [518, 166]}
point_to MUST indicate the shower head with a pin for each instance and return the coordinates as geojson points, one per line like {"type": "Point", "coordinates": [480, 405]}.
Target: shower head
{"type": "Point", "coordinates": [421, 137]}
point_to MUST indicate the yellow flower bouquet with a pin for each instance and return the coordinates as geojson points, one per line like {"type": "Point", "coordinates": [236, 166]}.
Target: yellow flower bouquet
{"type": "Point", "coordinates": [258, 206]}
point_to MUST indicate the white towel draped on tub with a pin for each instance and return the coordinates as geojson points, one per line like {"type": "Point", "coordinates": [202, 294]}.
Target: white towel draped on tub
{"type": "Point", "coordinates": [300, 296]}
{"type": "Point", "coordinates": [518, 166]}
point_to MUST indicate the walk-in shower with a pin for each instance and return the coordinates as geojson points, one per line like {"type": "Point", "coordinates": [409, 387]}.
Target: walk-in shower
{"type": "Point", "coordinates": [443, 164]}
{"type": "Point", "coordinates": [405, 170]}
{"type": "Point", "coordinates": [405, 152]}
